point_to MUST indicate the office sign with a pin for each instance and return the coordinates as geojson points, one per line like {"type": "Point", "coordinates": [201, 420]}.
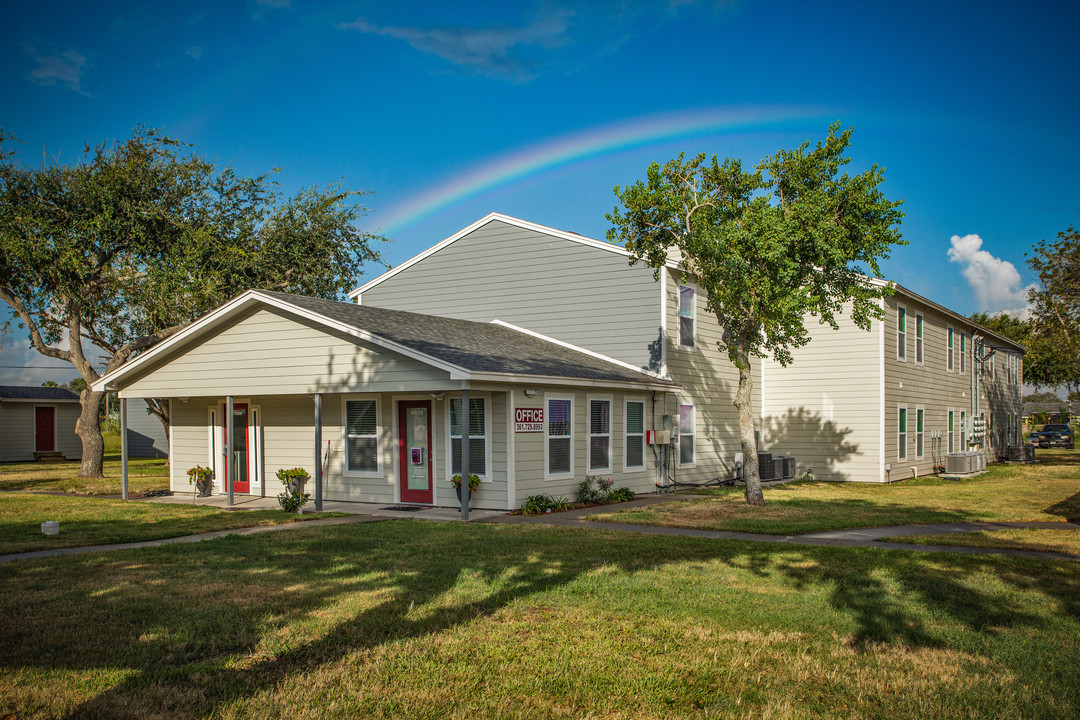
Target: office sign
{"type": "Point", "coordinates": [529, 420]}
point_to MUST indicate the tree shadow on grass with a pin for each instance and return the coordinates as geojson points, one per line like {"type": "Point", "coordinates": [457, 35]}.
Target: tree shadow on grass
{"type": "Point", "coordinates": [202, 627]}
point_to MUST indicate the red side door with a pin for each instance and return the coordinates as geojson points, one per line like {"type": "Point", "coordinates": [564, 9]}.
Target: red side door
{"type": "Point", "coordinates": [414, 451]}
{"type": "Point", "coordinates": [44, 429]}
{"type": "Point", "coordinates": [240, 465]}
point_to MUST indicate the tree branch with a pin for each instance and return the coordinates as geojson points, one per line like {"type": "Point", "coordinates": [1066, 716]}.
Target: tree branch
{"type": "Point", "coordinates": [35, 334]}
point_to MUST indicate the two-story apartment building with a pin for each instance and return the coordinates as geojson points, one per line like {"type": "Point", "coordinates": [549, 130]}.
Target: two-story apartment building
{"type": "Point", "coordinates": [569, 355]}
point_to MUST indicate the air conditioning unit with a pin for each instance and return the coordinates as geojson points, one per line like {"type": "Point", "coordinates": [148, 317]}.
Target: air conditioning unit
{"type": "Point", "coordinates": [958, 463]}
{"type": "Point", "coordinates": [1021, 453]}
{"type": "Point", "coordinates": [766, 466]}
{"type": "Point", "coordinates": [784, 465]}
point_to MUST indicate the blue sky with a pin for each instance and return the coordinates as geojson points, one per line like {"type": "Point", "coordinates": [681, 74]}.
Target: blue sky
{"type": "Point", "coordinates": [537, 109]}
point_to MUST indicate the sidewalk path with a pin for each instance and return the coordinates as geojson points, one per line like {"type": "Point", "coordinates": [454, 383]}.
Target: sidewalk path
{"type": "Point", "coordinates": [855, 537]}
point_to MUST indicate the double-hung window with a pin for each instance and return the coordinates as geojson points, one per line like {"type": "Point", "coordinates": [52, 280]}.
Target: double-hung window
{"type": "Point", "coordinates": [599, 435]}
{"type": "Point", "coordinates": [635, 436]}
{"type": "Point", "coordinates": [952, 433]}
{"type": "Point", "coordinates": [963, 431]}
{"type": "Point", "coordinates": [918, 339]}
{"type": "Point", "coordinates": [950, 351]}
{"type": "Point", "coordinates": [901, 434]}
{"type": "Point", "coordinates": [560, 448]}
{"type": "Point", "coordinates": [686, 434]}
{"type": "Point", "coordinates": [362, 436]}
{"type": "Point", "coordinates": [686, 317]}
{"type": "Point", "coordinates": [919, 417]}
{"type": "Point", "coordinates": [478, 440]}
{"type": "Point", "coordinates": [963, 350]}
{"type": "Point", "coordinates": [901, 334]}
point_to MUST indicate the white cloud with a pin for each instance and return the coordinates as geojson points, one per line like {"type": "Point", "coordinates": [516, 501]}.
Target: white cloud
{"type": "Point", "coordinates": [493, 51]}
{"type": "Point", "coordinates": [65, 69]}
{"type": "Point", "coordinates": [995, 282]}
{"type": "Point", "coordinates": [195, 51]}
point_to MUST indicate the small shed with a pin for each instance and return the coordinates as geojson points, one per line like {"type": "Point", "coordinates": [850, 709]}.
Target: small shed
{"type": "Point", "coordinates": [37, 423]}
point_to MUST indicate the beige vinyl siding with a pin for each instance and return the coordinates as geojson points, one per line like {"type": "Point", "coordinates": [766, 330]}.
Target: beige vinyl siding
{"type": "Point", "coordinates": [708, 380]}
{"type": "Point", "coordinates": [824, 408]}
{"type": "Point", "coordinates": [529, 448]}
{"type": "Point", "coordinates": [581, 295]}
{"type": "Point", "coordinates": [270, 352]}
{"type": "Point", "coordinates": [146, 434]}
{"type": "Point", "coordinates": [17, 439]}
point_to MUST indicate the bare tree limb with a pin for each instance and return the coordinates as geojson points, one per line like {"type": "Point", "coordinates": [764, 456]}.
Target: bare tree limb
{"type": "Point", "coordinates": [35, 334]}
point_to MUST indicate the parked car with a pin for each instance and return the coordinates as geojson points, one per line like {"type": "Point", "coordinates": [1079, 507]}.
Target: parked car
{"type": "Point", "coordinates": [1032, 439]}
{"type": "Point", "coordinates": [1056, 436]}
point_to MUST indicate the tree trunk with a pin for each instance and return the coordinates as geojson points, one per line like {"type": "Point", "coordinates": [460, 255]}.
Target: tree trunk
{"type": "Point", "coordinates": [745, 406]}
{"type": "Point", "coordinates": [88, 429]}
{"type": "Point", "coordinates": [160, 408]}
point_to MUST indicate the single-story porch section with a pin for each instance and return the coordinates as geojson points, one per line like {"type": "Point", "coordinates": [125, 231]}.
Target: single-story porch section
{"type": "Point", "coordinates": [377, 396]}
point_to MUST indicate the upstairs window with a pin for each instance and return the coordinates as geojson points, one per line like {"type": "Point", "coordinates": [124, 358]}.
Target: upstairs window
{"type": "Point", "coordinates": [963, 350]}
{"type": "Point", "coordinates": [478, 440]}
{"type": "Point", "coordinates": [918, 339]}
{"type": "Point", "coordinates": [686, 317]}
{"type": "Point", "coordinates": [950, 352]}
{"type": "Point", "coordinates": [362, 436]}
{"type": "Point", "coordinates": [901, 334]}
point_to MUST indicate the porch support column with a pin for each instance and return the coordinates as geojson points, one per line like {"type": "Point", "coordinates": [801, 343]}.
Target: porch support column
{"type": "Point", "coordinates": [465, 490]}
{"type": "Point", "coordinates": [124, 449]}
{"type": "Point", "coordinates": [318, 452]}
{"type": "Point", "coordinates": [229, 442]}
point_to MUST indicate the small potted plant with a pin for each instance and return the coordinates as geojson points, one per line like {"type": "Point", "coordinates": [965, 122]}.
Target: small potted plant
{"type": "Point", "coordinates": [294, 497]}
{"type": "Point", "coordinates": [474, 484]}
{"type": "Point", "coordinates": [202, 478]}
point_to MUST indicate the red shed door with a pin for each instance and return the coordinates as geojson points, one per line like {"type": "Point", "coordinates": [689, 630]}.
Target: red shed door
{"type": "Point", "coordinates": [414, 451]}
{"type": "Point", "coordinates": [44, 429]}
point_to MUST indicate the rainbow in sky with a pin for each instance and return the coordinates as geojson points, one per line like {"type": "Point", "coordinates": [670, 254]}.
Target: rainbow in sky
{"type": "Point", "coordinates": [579, 146]}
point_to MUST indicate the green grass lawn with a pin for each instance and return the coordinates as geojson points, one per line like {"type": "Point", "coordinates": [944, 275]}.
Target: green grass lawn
{"type": "Point", "coordinates": [1048, 490]}
{"type": "Point", "coordinates": [143, 474]}
{"type": "Point", "coordinates": [1065, 541]}
{"type": "Point", "coordinates": [98, 521]}
{"type": "Point", "coordinates": [410, 619]}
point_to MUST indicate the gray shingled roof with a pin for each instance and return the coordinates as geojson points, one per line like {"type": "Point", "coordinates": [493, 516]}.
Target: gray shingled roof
{"type": "Point", "coordinates": [19, 392]}
{"type": "Point", "coordinates": [474, 346]}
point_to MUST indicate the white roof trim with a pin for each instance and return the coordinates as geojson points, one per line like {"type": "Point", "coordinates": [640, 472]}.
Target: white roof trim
{"type": "Point", "coordinates": [39, 401]}
{"type": "Point", "coordinates": [251, 297]}
{"type": "Point", "coordinates": [590, 353]}
{"type": "Point", "coordinates": [497, 377]}
{"type": "Point", "coordinates": [491, 217]}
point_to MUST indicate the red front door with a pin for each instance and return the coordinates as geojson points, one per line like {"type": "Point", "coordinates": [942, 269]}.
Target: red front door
{"type": "Point", "coordinates": [239, 466]}
{"type": "Point", "coordinates": [44, 429]}
{"type": "Point", "coordinates": [414, 451]}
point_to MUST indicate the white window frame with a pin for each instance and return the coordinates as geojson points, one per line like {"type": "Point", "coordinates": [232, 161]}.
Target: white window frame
{"type": "Point", "coordinates": [547, 437]}
{"type": "Point", "coordinates": [627, 435]}
{"type": "Point", "coordinates": [920, 438]}
{"type": "Point", "coordinates": [692, 433]}
{"type": "Point", "coordinates": [901, 432]}
{"type": "Point", "coordinates": [380, 428]}
{"type": "Point", "coordinates": [963, 431]}
{"type": "Point", "coordinates": [950, 429]}
{"type": "Point", "coordinates": [950, 349]}
{"type": "Point", "coordinates": [692, 316]}
{"type": "Point", "coordinates": [920, 332]}
{"type": "Point", "coordinates": [486, 475]}
{"type": "Point", "coordinates": [589, 433]}
{"type": "Point", "coordinates": [963, 352]}
{"type": "Point", "coordinates": [901, 335]}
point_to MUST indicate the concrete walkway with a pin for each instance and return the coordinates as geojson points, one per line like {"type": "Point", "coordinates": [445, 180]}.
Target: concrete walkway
{"type": "Point", "coordinates": [855, 537]}
{"type": "Point", "coordinates": [371, 512]}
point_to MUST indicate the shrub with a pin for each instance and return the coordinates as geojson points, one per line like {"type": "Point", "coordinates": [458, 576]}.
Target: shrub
{"type": "Point", "coordinates": [594, 490]}
{"type": "Point", "coordinates": [621, 495]}
{"type": "Point", "coordinates": [292, 500]}
{"type": "Point", "coordinates": [538, 505]}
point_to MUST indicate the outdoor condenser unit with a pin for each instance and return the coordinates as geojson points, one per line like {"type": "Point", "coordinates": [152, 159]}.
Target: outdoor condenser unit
{"type": "Point", "coordinates": [959, 463]}
{"type": "Point", "coordinates": [1021, 453]}
{"type": "Point", "coordinates": [766, 466]}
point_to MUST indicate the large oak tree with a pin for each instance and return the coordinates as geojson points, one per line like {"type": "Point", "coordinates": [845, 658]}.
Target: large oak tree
{"type": "Point", "coordinates": [792, 239]}
{"type": "Point", "coordinates": [106, 256]}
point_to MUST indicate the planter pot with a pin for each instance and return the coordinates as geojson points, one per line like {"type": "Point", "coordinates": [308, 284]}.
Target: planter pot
{"type": "Point", "coordinates": [296, 487]}
{"type": "Point", "coordinates": [471, 499]}
{"type": "Point", "coordinates": [204, 487]}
